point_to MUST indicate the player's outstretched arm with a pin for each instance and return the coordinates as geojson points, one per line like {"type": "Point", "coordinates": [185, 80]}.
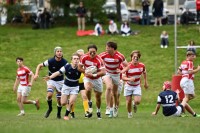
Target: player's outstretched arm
{"type": "Point", "coordinates": [37, 71]}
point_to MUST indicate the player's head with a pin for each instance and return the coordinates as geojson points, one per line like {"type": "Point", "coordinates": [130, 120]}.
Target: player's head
{"type": "Point", "coordinates": [75, 59]}
{"type": "Point", "coordinates": [92, 50]}
{"type": "Point", "coordinates": [58, 52]}
{"type": "Point", "coordinates": [135, 56]}
{"type": "Point", "coordinates": [112, 45]}
{"type": "Point", "coordinates": [167, 85]}
{"type": "Point", "coordinates": [19, 61]}
{"type": "Point", "coordinates": [80, 52]}
{"type": "Point", "coordinates": [190, 55]}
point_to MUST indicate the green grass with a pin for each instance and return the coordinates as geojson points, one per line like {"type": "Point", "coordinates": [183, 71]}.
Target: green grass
{"type": "Point", "coordinates": [37, 45]}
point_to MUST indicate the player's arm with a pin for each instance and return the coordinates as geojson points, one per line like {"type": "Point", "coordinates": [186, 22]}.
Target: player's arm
{"type": "Point", "coordinates": [194, 71]}
{"type": "Point", "coordinates": [156, 110]}
{"type": "Point", "coordinates": [125, 78]}
{"type": "Point", "coordinates": [32, 79]}
{"type": "Point", "coordinates": [37, 70]}
{"type": "Point", "coordinates": [55, 74]}
{"type": "Point", "coordinates": [145, 80]}
{"type": "Point", "coordinates": [80, 68]}
{"type": "Point", "coordinates": [16, 84]}
{"type": "Point", "coordinates": [102, 72]}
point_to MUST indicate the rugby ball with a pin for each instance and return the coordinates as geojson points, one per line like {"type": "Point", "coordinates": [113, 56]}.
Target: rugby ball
{"type": "Point", "coordinates": [91, 69]}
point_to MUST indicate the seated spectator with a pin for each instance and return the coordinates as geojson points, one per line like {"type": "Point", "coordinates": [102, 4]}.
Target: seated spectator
{"type": "Point", "coordinates": [191, 47]}
{"type": "Point", "coordinates": [164, 39]}
{"type": "Point", "coordinates": [98, 30]}
{"type": "Point", "coordinates": [125, 29]}
{"type": "Point", "coordinates": [112, 28]}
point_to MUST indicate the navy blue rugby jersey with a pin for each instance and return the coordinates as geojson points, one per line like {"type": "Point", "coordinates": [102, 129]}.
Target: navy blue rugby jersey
{"type": "Point", "coordinates": [72, 75]}
{"type": "Point", "coordinates": [168, 101]}
{"type": "Point", "coordinates": [55, 66]}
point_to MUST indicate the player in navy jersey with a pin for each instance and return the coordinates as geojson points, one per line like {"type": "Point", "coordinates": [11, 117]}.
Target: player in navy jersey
{"type": "Point", "coordinates": [55, 84]}
{"type": "Point", "coordinates": [167, 99]}
{"type": "Point", "coordinates": [71, 85]}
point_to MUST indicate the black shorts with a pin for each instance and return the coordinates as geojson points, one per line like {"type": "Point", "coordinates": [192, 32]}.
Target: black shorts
{"type": "Point", "coordinates": [81, 86]}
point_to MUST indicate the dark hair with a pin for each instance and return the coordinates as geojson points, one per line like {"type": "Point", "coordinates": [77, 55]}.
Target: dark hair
{"type": "Point", "coordinates": [190, 53]}
{"type": "Point", "coordinates": [92, 46]}
{"type": "Point", "coordinates": [19, 58]}
{"type": "Point", "coordinates": [75, 54]}
{"type": "Point", "coordinates": [112, 45]}
{"type": "Point", "coordinates": [135, 51]}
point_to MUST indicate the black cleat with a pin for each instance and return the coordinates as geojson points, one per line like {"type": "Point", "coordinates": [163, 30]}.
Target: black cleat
{"type": "Point", "coordinates": [88, 115]}
{"type": "Point", "coordinates": [72, 115]}
{"type": "Point", "coordinates": [58, 116]}
{"type": "Point", "coordinates": [99, 115]}
{"type": "Point", "coordinates": [47, 113]}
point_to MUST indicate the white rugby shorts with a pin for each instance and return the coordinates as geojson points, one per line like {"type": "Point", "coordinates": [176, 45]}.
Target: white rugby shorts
{"type": "Point", "coordinates": [67, 90]}
{"type": "Point", "coordinates": [57, 84]}
{"type": "Point", "coordinates": [132, 90]}
{"type": "Point", "coordinates": [24, 90]}
{"type": "Point", "coordinates": [187, 85]}
{"type": "Point", "coordinates": [97, 83]}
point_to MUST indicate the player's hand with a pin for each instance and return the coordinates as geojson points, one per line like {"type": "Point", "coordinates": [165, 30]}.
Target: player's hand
{"type": "Point", "coordinates": [153, 113]}
{"type": "Point", "coordinates": [46, 78]}
{"type": "Point", "coordinates": [30, 84]}
{"type": "Point", "coordinates": [14, 89]}
{"type": "Point", "coordinates": [132, 79]}
{"type": "Point", "coordinates": [89, 74]}
{"type": "Point", "coordinates": [146, 86]}
{"type": "Point", "coordinates": [35, 77]}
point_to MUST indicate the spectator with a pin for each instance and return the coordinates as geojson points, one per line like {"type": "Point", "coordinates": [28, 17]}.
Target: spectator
{"type": "Point", "coordinates": [145, 15]}
{"type": "Point", "coordinates": [158, 11]}
{"type": "Point", "coordinates": [198, 10]}
{"type": "Point", "coordinates": [112, 28]}
{"type": "Point", "coordinates": [164, 39]}
{"type": "Point", "coordinates": [125, 29]}
{"type": "Point", "coordinates": [185, 17]}
{"type": "Point", "coordinates": [45, 19]}
{"type": "Point", "coordinates": [81, 13]}
{"type": "Point", "coordinates": [191, 47]}
{"type": "Point", "coordinates": [98, 30]}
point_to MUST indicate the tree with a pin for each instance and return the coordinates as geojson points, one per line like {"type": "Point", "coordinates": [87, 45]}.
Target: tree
{"type": "Point", "coordinates": [119, 17]}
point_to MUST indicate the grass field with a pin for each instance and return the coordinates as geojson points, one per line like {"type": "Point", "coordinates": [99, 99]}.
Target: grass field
{"type": "Point", "coordinates": [37, 45]}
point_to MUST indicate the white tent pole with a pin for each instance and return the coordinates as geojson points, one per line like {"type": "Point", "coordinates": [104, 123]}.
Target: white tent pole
{"type": "Point", "coordinates": [175, 34]}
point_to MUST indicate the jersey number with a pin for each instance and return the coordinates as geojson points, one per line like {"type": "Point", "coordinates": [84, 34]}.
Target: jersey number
{"type": "Point", "coordinates": [169, 99]}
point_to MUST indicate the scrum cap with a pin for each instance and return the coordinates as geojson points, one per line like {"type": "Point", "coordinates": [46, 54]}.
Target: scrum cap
{"type": "Point", "coordinates": [57, 48]}
{"type": "Point", "coordinates": [167, 84]}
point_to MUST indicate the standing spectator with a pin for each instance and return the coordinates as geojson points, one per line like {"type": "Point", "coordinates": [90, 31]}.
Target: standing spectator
{"type": "Point", "coordinates": [158, 11]}
{"type": "Point", "coordinates": [112, 28]}
{"type": "Point", "coordinates": [24, 87]}
{"type": "Point", "coordinates": [81, 13]}
{"type": "Point", "coordinates": [93, 80]}
{"type": "Point", "coordinates": [45, 19]}
{"type": "Point", "coordinates": [125, 29]}
{"type": "Point", "coordinates": [132, 86]}
{"type": "Point", "coordinates": [198, 10]}
{"type": "Point", "coordinates": [191, 46]}
{"type": "Point", "coordinates": [164, 42]}
{"type": "Point", "coordinates": [145, 15]}
{"type": "Point", "coordinates": [187, 71]}
{"type": "Point", "coordinates": [54, 64]}
{"type": "Point", "coordinates": [70, 87]}
{"type": "Point", "coordinates": [168, 99]}
{"type": "Point", "coordinates": [112, 60]}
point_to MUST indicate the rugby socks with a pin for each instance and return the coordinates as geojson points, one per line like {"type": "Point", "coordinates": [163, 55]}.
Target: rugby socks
{"type": "Point", "coordinates": [67, 112]}
{"type": "Point", "coordinates": [59, 108]}
{"type": "Point", "coordinates": [98, 110]}
{"type": "Point", "coordinates": [194, 114]}
{"type": "Point", "coordinates": [85, 105]}
{"type": "Point", "coordinates": [73, 107]}
{"type": "Point", "coordinates": [49, 103]}
{"type": "Point", "coordinates": [90, 104]}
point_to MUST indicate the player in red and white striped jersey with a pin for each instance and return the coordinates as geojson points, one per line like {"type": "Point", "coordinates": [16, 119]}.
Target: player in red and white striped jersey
{"type": "Point", "coordinates": [187, 71]}
{"type": "Point", "coordinates": [24, 87]}
{"type": "Point", "coordinates": [132, 77]}
{"type": "Point", "coordinates": [93, 80]}
{"type": "Point", "coordinates": [112, 59]}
